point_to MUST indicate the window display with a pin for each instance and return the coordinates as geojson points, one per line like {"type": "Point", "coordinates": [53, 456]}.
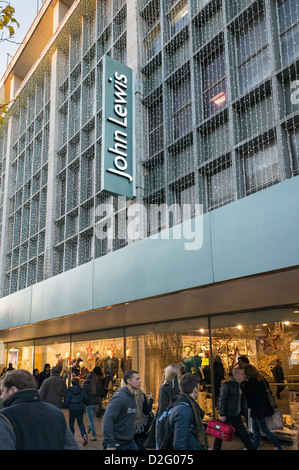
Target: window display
{"type": "Point", "coordinates": [210, 349]}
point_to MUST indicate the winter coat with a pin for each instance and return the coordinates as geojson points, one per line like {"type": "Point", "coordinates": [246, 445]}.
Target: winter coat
{"type": "Point", "coordinates": [93, 399]}
{"type": "Point", "coordinates": [256, 396]}
{"type": "Point", "coordinates": [168, 393]}
{"type": "Point", "coordinates": [182, 426]}
{"type": "Point", "coordinates": [231, 400]}
{"type": "Point", "coordinates": [119, 418]}
{"type": "Point", "coordinates": [75, 399]}
{"type": "Point", "coordinates": [42, 377]}
{"type": "Point", "coordinates": [30, 424]}
{"type": "Point", "coordinates": [278, 374]}
{"type": "Point", "coordinates": [53, 390]}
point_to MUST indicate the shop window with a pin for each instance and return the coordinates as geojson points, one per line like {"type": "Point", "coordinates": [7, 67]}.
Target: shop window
{"type": "Point", "coordinates": [288, 13]}
{"type": "Point", "coordinates": [108, 354]}
{"type": "Point", "coordinates": [252, 53]}
{"type": "Point", "coordinates": [261, 167]}
{"type": "Point", "coordinates": [20, 355]}
{"type": "Point", "coordinates": [214, 83]}
{"type": "Point", "coordinates": [263, 344]}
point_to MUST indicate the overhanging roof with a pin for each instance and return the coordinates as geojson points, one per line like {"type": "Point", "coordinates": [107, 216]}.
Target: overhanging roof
{"type": "Point", "coordinates": [251, 293]}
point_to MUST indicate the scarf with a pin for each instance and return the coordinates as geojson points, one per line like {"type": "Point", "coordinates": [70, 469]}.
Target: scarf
{"type": "Point", "coordinates": [199, 427]}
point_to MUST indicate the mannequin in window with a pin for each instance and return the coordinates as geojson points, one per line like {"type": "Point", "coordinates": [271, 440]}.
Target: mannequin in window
{"type": "Point", "coordinates": [110, 368]}
{"type": "Point", "coordinates": [205, 367]}
{"type": "Point", "coordinates": [59, 362]}
{"type": "Point", "coordinates": [66, 372]}
{"type": "Point", "coordinates": [197, 364]}
{"type": "Point", "coordinates": [97, 358]}
{"type": "Point", "coordinates": [126, 362]}
{"type": "Point", "coordinates": [75, 365]}
{"type": "Point", "coordinates": [188, 360]}
{"type": "Point", "coordinates": [83, 371]}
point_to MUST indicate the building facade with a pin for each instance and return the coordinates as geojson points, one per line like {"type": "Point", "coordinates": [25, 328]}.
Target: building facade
{"type": "Point", "coordinates": [201, 260]}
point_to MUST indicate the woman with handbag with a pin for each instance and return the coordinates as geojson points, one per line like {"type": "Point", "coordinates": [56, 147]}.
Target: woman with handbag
{"type": "Point", "coordinates": [144, 417]}
{"type": "Point", "coordinates": [255, 389]}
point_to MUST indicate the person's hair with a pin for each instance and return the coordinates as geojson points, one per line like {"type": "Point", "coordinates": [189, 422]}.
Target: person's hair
{"type": "Point", "coordinates": [252, 372]}
{"type": "Point", "coordinates": [21, 379]}
{"type": "Point", "coordinates": [243, 359]}
{"type": "Point", "coordinates": [55, 370]}
{"type": "Point", "coordinates": [75, 381]}
{"type": "Point", "coordinates": [95, 377]}
{"type": "Point", "coordinates": [128, 375]}
{"type": "Point", "coordinates": [188, 382]}
{"type": "Point", "coordinates": [170, 372]}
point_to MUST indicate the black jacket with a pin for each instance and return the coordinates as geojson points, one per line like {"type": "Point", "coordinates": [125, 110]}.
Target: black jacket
{"type": "Point", "coordinates": [36, 425]}
{"type": "Point", "coordinates": [256, 396]}
{"type": "Point", "coordinates": [75, 399]}
{"type": "Point", "coordinates": [93, 398]}
{"type": "Point", "coordinates": [168, 393]}
{"type": "Point", "coordinates": [231, 400]}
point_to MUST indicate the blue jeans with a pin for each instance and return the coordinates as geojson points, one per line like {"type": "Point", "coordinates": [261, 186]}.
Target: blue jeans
{"type": "Point", "coordinates": [258, 426]}
{"type": "Point", "coordinates": [91, 412]}
{"type": "Point", "coordinates": [75, 415]}
{"type": "Point", "coordinates": [130, 445]}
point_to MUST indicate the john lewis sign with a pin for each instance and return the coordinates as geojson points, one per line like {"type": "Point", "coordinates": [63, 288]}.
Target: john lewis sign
{"type": "Point", "coordinates": [117, 141]}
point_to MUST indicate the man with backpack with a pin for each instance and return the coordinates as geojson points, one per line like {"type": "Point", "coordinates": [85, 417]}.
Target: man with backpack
{"type": "Point", "coordinates": [180, 426]}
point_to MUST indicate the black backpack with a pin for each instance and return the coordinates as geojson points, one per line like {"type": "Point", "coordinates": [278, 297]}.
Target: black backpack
{"type": "Point", "coordinates": [164, 436]}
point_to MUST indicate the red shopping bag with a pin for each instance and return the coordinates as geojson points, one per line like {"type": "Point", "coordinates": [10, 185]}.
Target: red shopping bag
{"type": "Point", "coordinates": [219, 429]}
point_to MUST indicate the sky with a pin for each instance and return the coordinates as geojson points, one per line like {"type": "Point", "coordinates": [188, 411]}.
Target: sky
{"type": "Point", "coordinates": [25, 12]}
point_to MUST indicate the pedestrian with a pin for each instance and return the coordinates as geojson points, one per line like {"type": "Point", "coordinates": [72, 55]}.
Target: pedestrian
{"type": "Point", "coordinates": [255, 391]}
{"type": "Point", "coordinates": [53, 389]}
{"type": "Point", "coordinates": [119, 419]}
{"type": "Point", "coordinates": [144, 417]}
{"type": "Point", "coordinates": [36, 375]}
{"type": "Point", "coordinates": [185, 419]}
{"type": "Point", "coordinates": [231, 406]}
{"type": "Point", "coordinates": [169, 388]}
{"type": "Point", "coordinates": [27, 423]}
{"type": "Point", "coordinates": [75, 400]}
{"type": "Point", "coordinates": [242, 361]}
{"type": "Point", "coordinates": [94, 388]}
{"type": "Point", "coordinates": [278, 375]}
{"type": "Point", "coordinates": [10, 367]}
{"type": "Point", "coordinates": [45, 374]}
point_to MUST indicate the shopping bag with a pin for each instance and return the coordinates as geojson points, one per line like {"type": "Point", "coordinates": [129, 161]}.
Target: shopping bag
{"type": "Point", "coordinates": [275, 421]}
{"type": "Point", "coordinates": [219, 429]}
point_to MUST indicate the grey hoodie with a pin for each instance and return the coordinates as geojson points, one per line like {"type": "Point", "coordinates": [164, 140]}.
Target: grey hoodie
{"type": "Point", "coordinates": [118, 421]}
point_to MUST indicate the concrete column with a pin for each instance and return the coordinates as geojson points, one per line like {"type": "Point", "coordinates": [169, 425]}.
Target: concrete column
{"type": "Point", "coordinates": [60, 11]}
{"type": "Point", "coordinates": [5, 235]}
{"type": "Point", "coordinates": [52, 189]}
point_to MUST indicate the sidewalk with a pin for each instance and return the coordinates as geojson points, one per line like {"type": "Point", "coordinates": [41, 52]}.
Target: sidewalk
{"type": "Point", "coordinates": [236, 444]}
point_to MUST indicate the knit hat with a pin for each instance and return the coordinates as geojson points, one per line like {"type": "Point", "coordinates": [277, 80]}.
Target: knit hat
{"type": "Point", "coordinates": [98, 371]}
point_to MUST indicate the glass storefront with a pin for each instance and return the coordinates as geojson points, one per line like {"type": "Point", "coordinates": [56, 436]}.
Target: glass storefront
{"type": "Point", "coordinates": [196, 344]}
